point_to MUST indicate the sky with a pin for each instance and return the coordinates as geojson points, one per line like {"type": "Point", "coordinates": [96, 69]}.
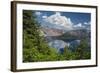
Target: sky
{"type": "Point", "coordinates": [68, 20]}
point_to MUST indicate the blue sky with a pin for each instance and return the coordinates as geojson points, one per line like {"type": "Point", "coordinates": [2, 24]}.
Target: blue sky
{"type": "Point", "coordinates": [78, 17]}
{"type": "Point", "coordinates": [64, 18]}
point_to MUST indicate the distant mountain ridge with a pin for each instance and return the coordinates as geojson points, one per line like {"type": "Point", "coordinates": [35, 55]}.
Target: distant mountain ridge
{"type": "Point", "coordinates": [79, 34]}
{"type": "Point", "coordinates": [52, 32]}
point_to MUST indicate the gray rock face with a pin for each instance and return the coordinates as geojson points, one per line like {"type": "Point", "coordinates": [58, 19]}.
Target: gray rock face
{"type": "Point", "coordinates": [52, 32]}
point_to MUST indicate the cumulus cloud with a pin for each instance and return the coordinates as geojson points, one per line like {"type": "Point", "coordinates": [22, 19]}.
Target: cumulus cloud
{"type": "Point", "coordinates": [87, 23]}
{"type": "Point", "coordinates": [78, 25]}
{"type": "Point", "coordinates": [44, 17]}
{"type": "Point", "coordinates": [38, 13]}
{"type": "Point", "coordinates": [59, 20]}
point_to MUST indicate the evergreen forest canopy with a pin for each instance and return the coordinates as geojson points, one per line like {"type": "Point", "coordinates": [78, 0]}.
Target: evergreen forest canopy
{"type": "Point", "coordinates": [36, 48]}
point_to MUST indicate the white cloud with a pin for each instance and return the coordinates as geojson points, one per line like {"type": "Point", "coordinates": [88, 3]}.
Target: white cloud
{"type": "Point", "coordinates": [87, 23]}
{"type": "Point", "coordinates": [38, 13]}
{"type": "Point", "coordinates": [44, 17]}
{"type": "Point", "coordinates": [62, 22]}
{"type": "Point", "coordinates": [59, 20]}
{"type": "Point", "coordinates": [58, 13]}
{"type": "Point", "coordinates": [78, 25]}
{"type": "Point", "coordinates": [82, 26]}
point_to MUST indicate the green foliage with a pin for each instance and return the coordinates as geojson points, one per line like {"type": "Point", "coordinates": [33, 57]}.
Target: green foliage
{"type": "Point", "coordinates": [68, 54]}
{"type": "Point", "coordinates": [35, 48]}
{"type": "Point", "coordinates": [81, 51]}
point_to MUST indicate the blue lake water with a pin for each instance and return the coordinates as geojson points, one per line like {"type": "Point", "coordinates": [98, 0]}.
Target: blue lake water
{"type": "Point", "coordinates": [60, 44]}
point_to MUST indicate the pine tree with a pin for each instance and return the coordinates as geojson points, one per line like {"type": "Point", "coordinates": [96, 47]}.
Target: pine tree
{"type": "Point", "coordinates": [30, 35]}
{"type": "Point", "coordinates": [35, 48]}
{"type": "Point", "coordinates": [81, 51]}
